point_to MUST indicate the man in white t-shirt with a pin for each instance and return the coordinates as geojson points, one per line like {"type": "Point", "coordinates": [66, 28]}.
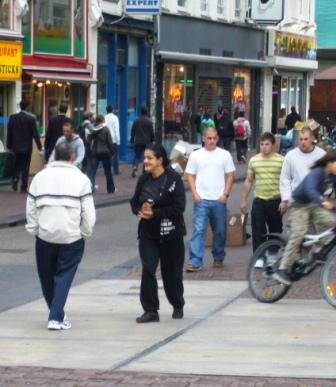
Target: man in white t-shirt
{"type": "Point", "coordinates": [112, 122]}
{"type": "Point", "coordinates": [210, 172]}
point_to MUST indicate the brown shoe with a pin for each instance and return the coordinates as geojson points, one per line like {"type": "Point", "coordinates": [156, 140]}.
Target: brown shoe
{"type": "Point", "coordinates": [218, 264]}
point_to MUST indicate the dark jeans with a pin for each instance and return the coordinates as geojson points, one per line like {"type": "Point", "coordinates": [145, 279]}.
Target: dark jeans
{"type": "Point", "coordinates": [224, 143]}
{"type": "Point", "coordinates": [21, 169]}
{"type": "Point", "coordinates": [106, 161]}
{"type": "Point", "coordinates": [171, 257]}
{"type": "Point", "coordinates": [115, 161]}
{"type": "Point", "coordinates": [241, 147]}
{"type": "Point", "coordinates": [56, 266]}
{"type": "Point", "coordinates": [138, 154]}
{"type": "Point", "coordinates": [265, 213]}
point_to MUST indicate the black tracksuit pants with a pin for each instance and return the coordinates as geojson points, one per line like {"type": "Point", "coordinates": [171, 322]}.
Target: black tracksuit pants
{"type": "Point", "coordinates": [171, 257]}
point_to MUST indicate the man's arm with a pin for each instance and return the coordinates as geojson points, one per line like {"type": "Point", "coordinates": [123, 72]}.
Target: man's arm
{"type": "Point", "coordinates": [192, 186]}
{"type": "Point", "coordinates": [245, 192]}
{"type": "Point", "coordinates": [88, 213]}
{"type": "Point", "coordinates": [36, 136]}
{"type": "Point", "coordinates": [10, 134]}
{"type": "Point", "coordinates": [80, 153]}
{"type": "Point", "coordinates": [285, 181]}
{"type": "Point", "coordinates": [229, 177]}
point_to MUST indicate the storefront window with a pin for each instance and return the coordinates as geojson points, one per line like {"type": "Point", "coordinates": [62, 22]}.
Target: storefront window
{"type": "Point", "coordinates": [102, 74]}
{"type": "Point", "coordinates": [52, 26]}
{"type": "Point", "coordinates": [241, 92]}
{"type": "Point", "coordinates": [33, 93]}
{"type": "Point", "coordinates": [292, 93]}
{"type": "Point", "coordinates": [79, 41]}
{"type": "Point", "coordinates": [26, 32]}
{"type": "Point", "coordinates": [5, 12]}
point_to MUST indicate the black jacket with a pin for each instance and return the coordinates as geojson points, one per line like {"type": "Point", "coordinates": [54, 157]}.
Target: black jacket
{"type": "Point", "coordinates": [21, 130]}
{"type": "Point", "coordinates": [100, 142]}
{"type": "Point", "coordinates": [224, 126]}
{"type": "Point", "coordinates": [55, 131]}
{"type": "Point", "coordinates": [292, 119]}
{"type": "Point", "coordinates": [142, 131]}
{"type": "Point", "coordinates": [167, 222]}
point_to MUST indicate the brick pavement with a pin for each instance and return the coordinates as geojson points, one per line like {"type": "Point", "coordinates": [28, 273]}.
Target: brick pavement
{"type": "Point", "coordinates": [36, 376]}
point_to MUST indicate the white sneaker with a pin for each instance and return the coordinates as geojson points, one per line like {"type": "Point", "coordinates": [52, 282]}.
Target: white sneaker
{"type": "Point", "coordinates": [54, 325]}
{"type": "Point", "coordinates": [96, 186]}
{"type": "Point", "coordinates": [65, 324]}
{"type": "Point", "coordinates": [259, 263]}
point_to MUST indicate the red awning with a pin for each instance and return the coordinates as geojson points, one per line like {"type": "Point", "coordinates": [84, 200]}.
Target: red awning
{"type": "Point", "coordinates": [83, 77]}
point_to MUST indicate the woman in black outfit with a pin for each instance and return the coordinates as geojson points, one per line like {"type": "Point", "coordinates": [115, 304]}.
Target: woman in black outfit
{"type": "Point", "coordinates": [159, 202]}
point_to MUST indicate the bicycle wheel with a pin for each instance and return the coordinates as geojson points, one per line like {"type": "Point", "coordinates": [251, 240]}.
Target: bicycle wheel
{"type": "Point", "coordinates": [263, 264]}
{"type": "Point", "coordinates": [328, 279]}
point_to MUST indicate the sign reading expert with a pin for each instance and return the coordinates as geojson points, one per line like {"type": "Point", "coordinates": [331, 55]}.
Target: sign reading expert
{"type": "Point", "coordinates": [142, 6]}
{"type": "Point", "coordinates": [10, 60]}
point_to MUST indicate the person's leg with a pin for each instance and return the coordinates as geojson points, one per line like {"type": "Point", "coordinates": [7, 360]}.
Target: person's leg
{"type": "Point", "coordinates": [69, 257]}
{"type": "Point", "coordinates": [46, 261]}
{"type": "Point", "coordinates": [106, 161]}
{"type": "Point", "coordinates": [217, 218]}
{"type": "Point", "coordinates": [138, 154]}
{"type": "Point", "coordinates": [26, 157]}
{"type": "Point", "coordinates": [227, 144]}
{"type": "Point", "coordinates": [244, 148]}
{"type": "Point", "coordinates": [149, 255]}
{"type": "Point", "coordinates": [299, 219]}
{"type": "Point", "coordinates": [115, 161]}
{"type": "Point", "coordinates": [16, 171]}
{"type": "Point", "coordinates": [172, 260]}
{"type": "Point", "coordinates": [258, 220]}
{"type": "Point", "coordinates": [94, 162]}
{"type": "Point", "coordinates": [273, 216]}
{"type": "Point", "coordinates": [239, 150]}
{"type": "Point", "coordinates": [323, 219]}
{"type": "Point", "coordinates": [196, 243]}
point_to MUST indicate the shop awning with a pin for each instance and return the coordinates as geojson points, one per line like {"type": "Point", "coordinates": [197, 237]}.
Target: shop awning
{"type": "Point", "coordinates": [84, 78]}
{"type": "Point", "coordinates": [327, 74]}
{"type": "Point", "coordinates": [184, 57]}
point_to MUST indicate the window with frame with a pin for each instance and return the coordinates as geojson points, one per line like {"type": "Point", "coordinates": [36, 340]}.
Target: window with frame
{"type": "Point", "coordinates": [181, 3]}
{"type": "Point", "coordinates": [220, 7]}
{"type": "Point", "coordinates": [237, 8]}
{"type": "Point", "coordinates": [5, 13]}
{"type": "Point", "coordinates": [204, 6]}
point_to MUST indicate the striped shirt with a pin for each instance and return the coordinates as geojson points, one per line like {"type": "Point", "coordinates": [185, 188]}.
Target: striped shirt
{"type": "Point", "coordinates": [266, 172]}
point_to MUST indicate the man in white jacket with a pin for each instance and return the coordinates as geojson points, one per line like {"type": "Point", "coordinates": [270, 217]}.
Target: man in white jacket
{"type": "Point", "coordinates": [112, 122]}
{"type": "Point", "coordinates": [61, 215]}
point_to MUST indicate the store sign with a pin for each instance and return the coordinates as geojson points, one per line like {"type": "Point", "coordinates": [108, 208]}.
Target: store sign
{"type": "Point", "coordinates": [10, 60]}
{"type": "Point", "coordinates": [294, 46]}
{"type": "Point", "coordinates": [142, 7]}
{"type": "Point", "coordinates": [267, 11]}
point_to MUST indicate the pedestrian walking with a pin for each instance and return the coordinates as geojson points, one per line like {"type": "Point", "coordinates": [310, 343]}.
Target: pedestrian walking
{"type": "Point", "coordinates": [75, 142]}
{"type": "Point", "coordinates": [61, 215]}
{"type": "Point", "coordinates": [198, 120]}
{"type": "Point", "coordinates": [101, 150]}
{"type": "Point", "coordinates": [142, 134]}
{"type": "Point", "coordinates": [159, 203]}
{"type": "Point", "coordinates": [112, 122]}
{"type": "Point", "coordinates": [21, 131]}
{"type": "Point", "coordinates": [292, 118]}
{"type": "Point", "coordinates": [297, 164]}
{"type": "Point", "coordinates": [85, 129]}
{"type": "Point", "coordinates": [224, 126]}
{"type": "Point", "coordinates": [210, 173]}
{"type": "Point", "coordinates": [264, 169]}
{"type": "Point", "coordinates": [242, 132]}
{"type": "Point", "coordinates": [55, 130]}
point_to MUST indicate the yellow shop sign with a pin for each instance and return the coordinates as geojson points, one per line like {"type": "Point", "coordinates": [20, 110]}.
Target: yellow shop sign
{"type": "Point", "coordinates": [10, 60]}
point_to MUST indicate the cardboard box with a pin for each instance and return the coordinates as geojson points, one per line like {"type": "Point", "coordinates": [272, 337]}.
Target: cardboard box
{"type": "Point", "coordinates": [236, 231]}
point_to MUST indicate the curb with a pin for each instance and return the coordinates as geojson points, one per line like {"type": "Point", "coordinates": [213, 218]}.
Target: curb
{"type": "Point", "coordinates": [19, 220]}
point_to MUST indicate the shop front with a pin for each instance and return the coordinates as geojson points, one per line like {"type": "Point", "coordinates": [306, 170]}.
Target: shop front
{"type": "Point", "coordinates": [292, 62]}
{"type": "Point", "coordinates": [200, 71]}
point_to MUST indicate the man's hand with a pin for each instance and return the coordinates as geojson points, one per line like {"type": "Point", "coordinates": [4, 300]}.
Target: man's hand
{"type": "Point", "coordinates": [196, 198]}
{"type": "Point", "coordinates": [243, 207]}
{"type": "Point", "coordinates": [283, 207]}
{"type": "Point", "coordinates": [223, 198]}
{"type": "Point", "coordinates": [328, 205]}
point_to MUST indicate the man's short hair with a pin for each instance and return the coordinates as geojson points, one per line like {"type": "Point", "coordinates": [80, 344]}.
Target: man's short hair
{"type": "Point", "coordinates": [209, 129]}
{"type": "Point", "coordinates": [24, 104]}
{"type": "Point", "coordinates": [68, 124]}
{"type": "Point", "coordinates": [267, 136]}
{"type": "Point", "coordinates": [87, 115]}
{"type": "Point", "coordinates": [144, 111]}
{"type": "Point", "coordinates": [109, 109]}
{"type": "Point", "coordinates": [306, 129]}
{"type": "Point", "coordinates": [63, 108]}
{"type": "Point", "coordinates": [63, 152]}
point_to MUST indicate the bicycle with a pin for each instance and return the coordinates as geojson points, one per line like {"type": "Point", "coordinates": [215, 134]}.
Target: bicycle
{"type": "Point", "coordinates": [316, 250]}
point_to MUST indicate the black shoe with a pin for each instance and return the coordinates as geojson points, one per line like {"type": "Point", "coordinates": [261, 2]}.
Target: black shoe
{"type": "Point", "coordinates": [281, 275]}
{"type": "Point", "coordinates": [14, 185]}
{"type": "Point", "coordinates": [23, 190]}
{"type": "Point", "coordinates": [148, 317]}
{"type": "Point", "coordinates": [177, 313]}
{"type": "Point", "coordinates": [134, 172]}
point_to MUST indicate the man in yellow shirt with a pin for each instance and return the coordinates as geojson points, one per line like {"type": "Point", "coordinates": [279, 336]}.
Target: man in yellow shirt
{"type": "Point", "coordinates": [265, 169]}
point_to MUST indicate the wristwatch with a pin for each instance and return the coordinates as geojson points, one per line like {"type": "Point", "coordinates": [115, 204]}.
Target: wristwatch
{"type": "Point", "coordinates": [226, 194]}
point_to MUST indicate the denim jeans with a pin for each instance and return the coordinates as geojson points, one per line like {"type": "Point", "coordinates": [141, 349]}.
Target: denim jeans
{"type": "Point", "coordinates": [138, 154]}
{"type": "Point", "coordinates": [115, 160]}
{"type": "Point", "coordinates": [215, 212]}
{"type": "Point", "coordinates": [56, 266]}
{"type": "Point", "coordinates": [106, 161]}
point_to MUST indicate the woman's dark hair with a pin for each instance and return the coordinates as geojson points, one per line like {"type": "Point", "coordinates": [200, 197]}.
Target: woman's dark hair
{"type": "Point", "coordinates": [100, 119]}
{"type": "Point", "coordinates": [329, 157]}
{"type": "Point", "coordinates": [159, 152]}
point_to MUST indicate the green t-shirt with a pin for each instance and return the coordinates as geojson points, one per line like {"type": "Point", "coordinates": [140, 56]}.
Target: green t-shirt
{"type": "Point", "coordinates": [266, 171]}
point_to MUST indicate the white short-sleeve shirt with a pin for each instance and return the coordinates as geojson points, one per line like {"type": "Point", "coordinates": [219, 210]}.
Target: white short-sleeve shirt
{"type": "Point", "coordinates": [210, 168]}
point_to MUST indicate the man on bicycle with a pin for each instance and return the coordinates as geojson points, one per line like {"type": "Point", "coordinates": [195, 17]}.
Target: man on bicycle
{"type": "Point", "coordinates": [311, 205]}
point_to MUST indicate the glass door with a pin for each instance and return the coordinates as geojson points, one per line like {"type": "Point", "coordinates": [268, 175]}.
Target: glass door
{"type": "Point", "coordinates": [3, 115]}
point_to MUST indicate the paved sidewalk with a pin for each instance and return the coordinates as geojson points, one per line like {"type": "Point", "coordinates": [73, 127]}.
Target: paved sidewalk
{"type": "Point", "coordinates": [12, 204]}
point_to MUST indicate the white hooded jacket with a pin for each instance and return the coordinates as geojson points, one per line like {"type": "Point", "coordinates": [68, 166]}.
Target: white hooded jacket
{"type": "Point", "coordinates": [60, 207]}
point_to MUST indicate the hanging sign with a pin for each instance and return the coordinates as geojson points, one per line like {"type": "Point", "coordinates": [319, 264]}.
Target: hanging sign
{"type": "Point", "coordinates": [267, 11]}
{"type": "Point", "coordinates": [142, 7]}
{"type": "Point", "coordinates": [10, 60]}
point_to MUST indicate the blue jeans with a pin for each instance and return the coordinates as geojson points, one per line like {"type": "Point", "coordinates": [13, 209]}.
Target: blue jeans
{"type": "Point", "coordinates": [138, 155]}
{"type": "Point", "coordinates": [215, 212]}
{"type": "Point", "coordinates": [115, 160]}
{"type": "Point", "coordinates": [56, 266]}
